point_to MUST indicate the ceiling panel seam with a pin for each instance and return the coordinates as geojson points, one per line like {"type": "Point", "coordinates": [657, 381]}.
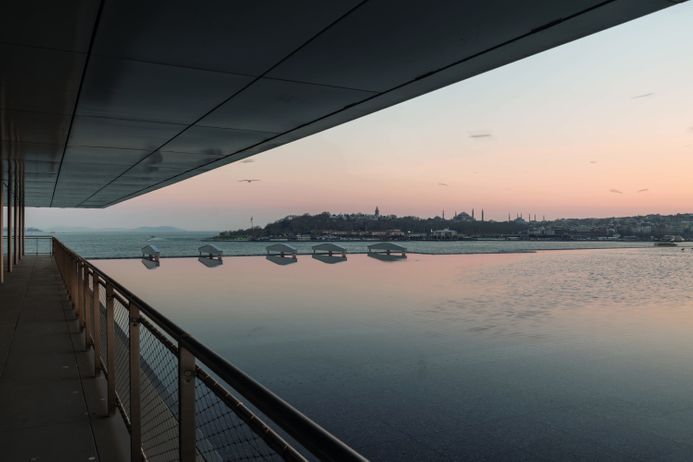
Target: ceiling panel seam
{"type": "Point", "coordinates": [255, 80]}
{"type": "Point", "coordinates": [533, 31]}
{"type": "Point", "coordinates": [97, 19]}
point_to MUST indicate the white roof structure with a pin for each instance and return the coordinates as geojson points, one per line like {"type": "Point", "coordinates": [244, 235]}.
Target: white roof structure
{"type": "Point", "coordinates": [211, 250]}
{"type": "Point", "coordinates": [281, 248]}
{"type": "Point", "coordinates": [386, 247]}
{"type": "Point", "coordinates": [329, 247]}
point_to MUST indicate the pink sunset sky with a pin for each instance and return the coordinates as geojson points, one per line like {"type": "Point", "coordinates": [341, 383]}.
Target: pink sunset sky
{"type": "Point", "coordinates": [613, 111]}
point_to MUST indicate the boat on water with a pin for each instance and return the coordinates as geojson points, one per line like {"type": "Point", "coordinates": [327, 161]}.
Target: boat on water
{"type": "Point", "coordinates": [665, 244]}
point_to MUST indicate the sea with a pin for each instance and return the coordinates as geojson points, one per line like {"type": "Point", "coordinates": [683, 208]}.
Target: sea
{"type": "Point", "coordinates": [471, 350]}
{"type": "Point", "coordinates": [129, 245]}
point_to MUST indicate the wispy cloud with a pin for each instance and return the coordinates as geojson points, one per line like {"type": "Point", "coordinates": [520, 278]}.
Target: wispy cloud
{"type": "Point", "coordinates": [480, 135]}
{"type": "Point", "coordinates": [644, 95]}
{"type": "Point", "coordinates": [615, 191]}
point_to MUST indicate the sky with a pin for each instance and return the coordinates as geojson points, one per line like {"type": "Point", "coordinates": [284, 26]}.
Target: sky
{"type": "Point", "coordinates": [575, 131]}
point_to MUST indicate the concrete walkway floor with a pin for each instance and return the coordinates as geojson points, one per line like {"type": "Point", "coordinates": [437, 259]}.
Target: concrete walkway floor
{"type": "Point", "coordinates": [52, 407]}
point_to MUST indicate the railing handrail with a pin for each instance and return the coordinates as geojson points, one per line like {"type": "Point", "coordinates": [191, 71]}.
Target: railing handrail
{"type": "Point", "coordinates": [304, 430]}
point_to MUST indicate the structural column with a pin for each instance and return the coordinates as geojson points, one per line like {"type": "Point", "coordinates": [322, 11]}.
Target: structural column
{"type": "Point", "coordinates": [15, 218]}
{"type": "Point", "coordinates": [9, 216]}
{"type": "Point", "coordinates": [2, 204]}
{"type": "Point", "coordinates": [22, 223]}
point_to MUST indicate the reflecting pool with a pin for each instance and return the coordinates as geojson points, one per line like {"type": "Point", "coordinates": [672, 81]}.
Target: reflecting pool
{"type": "Point", "coordinates": [562, 355]}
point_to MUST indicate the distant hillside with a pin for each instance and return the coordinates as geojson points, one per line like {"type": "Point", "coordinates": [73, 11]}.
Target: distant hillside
{"type": "Point", "coordinates": [140, 229]}
{"type": "Point", "coordinates": [360, 224]}
{"type": "Point", "coordinates": [157, 229]}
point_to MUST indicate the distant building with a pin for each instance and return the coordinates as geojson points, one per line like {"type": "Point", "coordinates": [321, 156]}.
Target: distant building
{"type": "Point", "coordinates": [463, 216]}
{"type": "Point", "coordinates": [445, 233]}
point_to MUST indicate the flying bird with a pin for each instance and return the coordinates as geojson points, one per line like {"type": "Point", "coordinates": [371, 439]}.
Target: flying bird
{"type": "Point", "coordinates": [442, 184]}
{"type": "Point", "coordinates": [643, 190]}
{"type": "Point", "coordinates": [615, 191]}
{"type": "Point", "coordinates": [480, 135]}
{"type": "Point", "coordinates": [644, 95]}
{"type": "Point", "coordinates": [249, 180]}
{"type": "Point", "coordinates": [247, 161]}
{"type": "Point", "coordinates": [593, 162]}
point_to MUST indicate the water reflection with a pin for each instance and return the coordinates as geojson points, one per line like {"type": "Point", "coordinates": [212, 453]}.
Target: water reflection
{"type": "Point", "coordinates": [210, 262]}
{"type": "Point", "coordinates": [386, 257]}
{"type": "Point", "coordinates": [150, 264]}
{"type": "Point", "coordinates": [279, 260]}
{"type": "Point", "coordinates": [568, 354]}
{"type": "Point", "coordinates": [330, 259]}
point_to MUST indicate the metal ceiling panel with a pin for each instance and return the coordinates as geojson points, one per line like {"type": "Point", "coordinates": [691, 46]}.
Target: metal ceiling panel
{"type": "Point", "coordinates": [217, 142]}
{"type": "Point", "coordinates": [236, 37]}
{"type": "Point", "coordinates": [277, 106]}
{"type": "Point", "coordinates": [121, 133]}
{"type": "Point", "coordinates": [57, 25]}
{"type": "Point", "coordinates": [134, 90]}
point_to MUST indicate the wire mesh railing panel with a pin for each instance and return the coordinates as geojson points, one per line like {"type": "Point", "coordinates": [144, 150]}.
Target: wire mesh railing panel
{"type": "Point", "coordinates": [102, 320]}
{"type": "Point", "coordinates": [221, 434]}
{"type": "Point", "coordinates": [122, 353]}
{"type": "Point", "coordinates": [159, 397]}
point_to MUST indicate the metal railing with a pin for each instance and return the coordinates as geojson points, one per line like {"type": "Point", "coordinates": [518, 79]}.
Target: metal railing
{"type": "Point", "coordinates": [179, 399]}
{"type": "Point", "coordinates": [35, 244]}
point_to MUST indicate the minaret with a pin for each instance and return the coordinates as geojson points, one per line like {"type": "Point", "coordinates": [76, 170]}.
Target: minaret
{"type": "Point", "coordinates": [472, 214]}
{"type": "Point", "coordinates": [443, 214]}
{"type": "Point", "coordinates": [482, 215]}
{"type": "Point", "coordinates": [509, 217]}
{"type": "Point", "coordinates": [377, 211]}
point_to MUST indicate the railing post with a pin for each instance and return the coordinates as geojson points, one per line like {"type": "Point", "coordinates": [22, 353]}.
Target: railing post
{"type": "Point", "coordinates": [135, 412]}
{"type": "Point", "coordinates": [110, 349]}
{"type": "Point", "coordinates": [96, 318]}
{"type": "Point", "coordinates": [85, 306]}
{"type": "Point", "coordinates": [186, 404]}
{"type": "Point", "coordinates": [80, 295]}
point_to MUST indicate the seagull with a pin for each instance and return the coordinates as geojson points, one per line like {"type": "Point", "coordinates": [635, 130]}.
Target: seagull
{"type": "Point", "coordinates": [249, 180]}
{"type": "Point", "coordinates": [442, 184]}
{"type": "Point", "coordinates": [615, 191]}
{"type": "Point", "coordinates": [248, 161]}
{"type": "Point", "coordinates": [644, 95]}
{"type": "Point", "coordinates": [593, 162]}
{"type": "Point", "coordinates": [643, 190]}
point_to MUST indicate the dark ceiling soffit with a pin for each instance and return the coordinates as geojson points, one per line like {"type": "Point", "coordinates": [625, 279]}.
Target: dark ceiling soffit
{"type": "Point", "coordinates": [97, 19]}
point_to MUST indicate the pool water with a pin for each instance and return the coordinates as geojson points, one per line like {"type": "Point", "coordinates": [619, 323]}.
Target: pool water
{"type": "Point", "coordinates": [556, 355]}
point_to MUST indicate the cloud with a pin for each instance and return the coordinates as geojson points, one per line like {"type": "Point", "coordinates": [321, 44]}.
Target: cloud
{"type": "Point", "coordinates": [644, 95]}
{"type": "Point", "coordinates": [615, 191]}
{"type": "Point", "coordinates": [480, 135]}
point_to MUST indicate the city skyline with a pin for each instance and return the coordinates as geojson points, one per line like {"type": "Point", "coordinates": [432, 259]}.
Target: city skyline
{"type": "Point", "coordinates": [598, 127]}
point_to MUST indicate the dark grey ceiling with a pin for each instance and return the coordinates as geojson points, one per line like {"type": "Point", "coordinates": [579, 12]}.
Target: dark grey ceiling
{"type": "Point", "coordinates": [102, 102]}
